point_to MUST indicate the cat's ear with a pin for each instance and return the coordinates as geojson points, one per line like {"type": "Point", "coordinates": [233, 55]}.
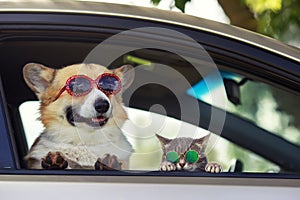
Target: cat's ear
{"type": "Point", "coordinates": [163, 140]}
{"type": "Point", "coordinates": [201, 143]}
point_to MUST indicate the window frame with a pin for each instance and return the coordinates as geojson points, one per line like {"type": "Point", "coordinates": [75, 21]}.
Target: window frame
{"type": "Point", "coordinates": [7, 144]}
{"type": "Point", "coordinates": [218, 46]}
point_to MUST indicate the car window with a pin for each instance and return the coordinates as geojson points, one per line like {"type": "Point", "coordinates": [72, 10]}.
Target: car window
{"type": "Point", "coordinates": [148, 153]}
{"type": "Point", "coordinates": [268, 107]}
{"type": "Point", "coordinates": [252, 122]}
{"type": "Point", "coordinates": [258, 107]}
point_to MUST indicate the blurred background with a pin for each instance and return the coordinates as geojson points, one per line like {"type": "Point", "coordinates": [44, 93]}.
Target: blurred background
{"type": "Point", "coordinates": [279, 19]}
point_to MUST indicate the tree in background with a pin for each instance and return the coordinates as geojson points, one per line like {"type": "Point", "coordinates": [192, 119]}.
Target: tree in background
{"type": "Point", "coordinates": [279, 19]}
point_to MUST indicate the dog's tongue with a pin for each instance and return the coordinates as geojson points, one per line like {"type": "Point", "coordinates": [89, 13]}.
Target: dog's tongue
{"type": "Point", "coordinates": [73, 117]}
{"type": "Point", "coordinates": [98, 119]}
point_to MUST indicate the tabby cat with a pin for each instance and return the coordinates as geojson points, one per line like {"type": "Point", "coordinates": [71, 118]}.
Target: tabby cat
{"type": "Point", "coordinates": [186, 154]}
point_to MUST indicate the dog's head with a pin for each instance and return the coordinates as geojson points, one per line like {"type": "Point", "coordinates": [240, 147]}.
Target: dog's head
{"type": "Point", "coordinates": [85, 96]}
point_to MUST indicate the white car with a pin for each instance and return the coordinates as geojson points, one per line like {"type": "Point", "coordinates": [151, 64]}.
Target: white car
{"type": "Point", "coordinates": [193, 77]}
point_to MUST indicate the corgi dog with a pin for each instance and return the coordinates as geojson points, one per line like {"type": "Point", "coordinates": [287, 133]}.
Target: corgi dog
{"type": "Point", "coordinates": [82, 112]}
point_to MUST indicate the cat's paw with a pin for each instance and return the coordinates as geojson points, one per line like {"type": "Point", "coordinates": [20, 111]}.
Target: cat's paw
{"type": "Point", "coordinates": [54, 160]}
{"type": "Point", "coordinates": [167, 166]}
{"type": "Point", "coordinates": [213, 167]}
{"type": "Point", "coordinates": [108, 162]}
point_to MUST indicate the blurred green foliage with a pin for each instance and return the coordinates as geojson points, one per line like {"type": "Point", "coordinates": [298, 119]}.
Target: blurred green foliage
{"type": "Point", "coordinates": [282, 23]}
{"type": "Point", "coordinates": [259, 6]}
{"type": "Point", "coordinates": [279, 19]}
{"type": "Point", "coordinates": [180, 4]}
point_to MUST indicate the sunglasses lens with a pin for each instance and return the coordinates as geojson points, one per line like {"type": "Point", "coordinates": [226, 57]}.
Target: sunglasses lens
{"type": "Point", "coordinates": [79, 86]}
{"type": "Point", "coordinates": [191, 156]}
{"type": "Point", "coordinates": [109, 83]}
{"type": "Point", "coordinates": [172, 157]}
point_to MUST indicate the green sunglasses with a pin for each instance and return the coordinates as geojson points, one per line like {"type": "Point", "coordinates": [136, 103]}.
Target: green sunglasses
{"type": "Point", "coordinates": [191, 156]}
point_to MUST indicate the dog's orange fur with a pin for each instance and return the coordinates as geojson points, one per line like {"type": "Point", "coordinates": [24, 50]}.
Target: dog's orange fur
{"type": "Point", "coordinates": [47, 83]}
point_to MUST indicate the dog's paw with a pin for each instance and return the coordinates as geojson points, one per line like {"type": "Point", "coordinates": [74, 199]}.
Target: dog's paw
{"type": "Point", "coordinates": [167, 166]}
{"type": "Point", "coordinates": [54, 160]}
{"type": "Point", "coordinates": [108, 162]}
{"type": "Point", "coordinates": [213, 167]}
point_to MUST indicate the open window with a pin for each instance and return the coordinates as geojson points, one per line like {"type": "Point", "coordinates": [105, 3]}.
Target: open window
{"type": "Point", "coordinates": [154, 108]}
{"type": "Point", "coordinates": [259, 130]}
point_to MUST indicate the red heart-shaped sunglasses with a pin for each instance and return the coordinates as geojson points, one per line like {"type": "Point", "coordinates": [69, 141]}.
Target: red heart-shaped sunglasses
{"type": "Point", "coordinates": [80, 85]}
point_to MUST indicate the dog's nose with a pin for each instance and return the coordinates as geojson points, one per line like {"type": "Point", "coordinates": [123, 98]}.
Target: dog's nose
{"type": "Point", "coordinates": [101, 105]}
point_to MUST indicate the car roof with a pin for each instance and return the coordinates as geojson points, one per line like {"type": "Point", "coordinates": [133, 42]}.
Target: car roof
{"type": "Point", "coordinates": [153, 14]}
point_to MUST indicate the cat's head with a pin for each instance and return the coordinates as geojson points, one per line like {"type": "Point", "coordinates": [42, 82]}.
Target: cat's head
{"type": "Point", "coordinates": [185, 152]}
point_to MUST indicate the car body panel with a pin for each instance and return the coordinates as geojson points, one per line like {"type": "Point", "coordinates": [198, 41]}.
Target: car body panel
{"type": "Point", "coordinates": [137, 188]}
{"type": "Point", "coordinates": [152, 15]}
{"type": "Point", "coordinates": [156, 15]}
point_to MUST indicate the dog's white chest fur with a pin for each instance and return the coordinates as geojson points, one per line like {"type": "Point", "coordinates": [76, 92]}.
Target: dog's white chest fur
{"type": "Point", "coordinates": [87, 148]}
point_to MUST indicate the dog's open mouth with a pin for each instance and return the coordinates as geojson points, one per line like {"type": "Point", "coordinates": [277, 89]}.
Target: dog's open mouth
{"type": "Point", "coordinates": [73, 117]}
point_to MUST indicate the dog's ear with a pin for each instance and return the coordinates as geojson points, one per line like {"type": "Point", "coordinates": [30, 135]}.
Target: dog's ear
{"type": "Point", "coordinates": [38, 77]}
{"type": "Point", "coordinates": [126, 73]}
